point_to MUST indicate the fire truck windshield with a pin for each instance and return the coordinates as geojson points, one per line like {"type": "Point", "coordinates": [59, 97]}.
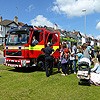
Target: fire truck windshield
{"type": "Point", "coordinates": [15, 38]}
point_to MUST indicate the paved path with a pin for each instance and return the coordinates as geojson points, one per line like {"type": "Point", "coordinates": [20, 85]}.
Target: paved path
{"type": "Point", "coordinates": [1, 60]}
{"type": "Point", "coordinates": [1, 57]}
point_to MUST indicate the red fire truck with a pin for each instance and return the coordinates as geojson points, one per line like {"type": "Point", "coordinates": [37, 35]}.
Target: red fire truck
{"type": "Point", "coordinates": [24, 54]}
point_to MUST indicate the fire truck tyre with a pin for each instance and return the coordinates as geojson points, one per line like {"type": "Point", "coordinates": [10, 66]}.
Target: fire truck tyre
{"type": "Point", "coordinates": [41, 65]}
{"type": "Point", "coordinates": [79, 83]}
{"type": "Point", "coordinates": [17, 68]}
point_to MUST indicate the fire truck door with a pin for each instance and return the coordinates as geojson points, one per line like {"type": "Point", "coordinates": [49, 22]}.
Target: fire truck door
{"type": "Point", "coordinates": [54, 40]}
{"type": "Point", "coordinates": [35, 50]}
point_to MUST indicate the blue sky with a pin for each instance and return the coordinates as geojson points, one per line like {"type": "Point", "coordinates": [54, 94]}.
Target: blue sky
{"type": "Point", "coordinates": [67, 14]}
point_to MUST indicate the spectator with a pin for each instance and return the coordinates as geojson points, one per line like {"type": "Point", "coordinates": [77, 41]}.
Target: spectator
{"type": "Point", "coordinates": [95, 72]}
{"type": "Point", "coordinates": [59, 60]}
{"type": "Point", "coordinates": [96, 68]}
{"type": "Point", "coordinates": [74, 50]}
{"type": "Point", "coordinates": [64, 56]}
{"type": "Point", "coordinates": [79, 54]}
{"type": "Point", "coordinates": [86, 51]}
{"type": "Point", "coordinates": [98, 56]}
{"type": "Point", "coordinates": [89, 46]}
{"type": "Point", "coordinates": [92, 53]}
{"type": "Point", "coordinates": [72, 58]}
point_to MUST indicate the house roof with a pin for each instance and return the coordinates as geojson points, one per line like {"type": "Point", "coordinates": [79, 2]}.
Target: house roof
{"type": "Point", "coordinates": [20, 24]}
{"type": "Point", "coordinates": [7, 22]}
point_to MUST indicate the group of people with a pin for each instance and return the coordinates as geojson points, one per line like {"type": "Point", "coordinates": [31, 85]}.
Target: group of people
{"type": "Point", "coordinates": [70, 57]}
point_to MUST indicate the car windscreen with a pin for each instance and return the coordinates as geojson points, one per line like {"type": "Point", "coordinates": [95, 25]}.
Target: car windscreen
{"type": "Point", "coordinates": [15, 38]}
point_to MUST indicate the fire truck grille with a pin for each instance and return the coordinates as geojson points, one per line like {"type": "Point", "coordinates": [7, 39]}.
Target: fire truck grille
{"type": "Point", "coordinates": [18, 63]}
{"type": "Point", "coordinates": [19, 53]}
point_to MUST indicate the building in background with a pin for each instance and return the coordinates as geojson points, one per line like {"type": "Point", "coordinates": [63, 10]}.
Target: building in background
{"type": "Point", "coordinates": [5, 25]}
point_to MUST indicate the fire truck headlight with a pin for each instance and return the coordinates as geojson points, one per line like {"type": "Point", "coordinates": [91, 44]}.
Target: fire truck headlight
{"type": "Point", "coordinates": [23, 62]}
{"type": "Point", "coordinates": [6, 47]}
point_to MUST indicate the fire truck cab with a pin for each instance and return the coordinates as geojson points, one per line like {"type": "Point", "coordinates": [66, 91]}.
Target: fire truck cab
{"type": "Point", "coordinates": [19, 50]}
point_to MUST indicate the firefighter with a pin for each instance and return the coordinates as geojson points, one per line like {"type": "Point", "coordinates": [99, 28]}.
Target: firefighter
{"type": "Point", "coordinates": [48, 59]}
{"type": "Point", "coordinates": [34, 41]}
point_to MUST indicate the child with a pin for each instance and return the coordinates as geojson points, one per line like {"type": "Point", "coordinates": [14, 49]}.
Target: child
{"type": "Point", "coordinates": [64, 56]}
{"type": "Point", "coordinates": [79, 54]}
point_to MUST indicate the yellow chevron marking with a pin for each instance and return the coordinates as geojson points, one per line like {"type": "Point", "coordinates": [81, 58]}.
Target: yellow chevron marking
{"type": "Point", "coordinates": [37, 47]}
{"type": "Point", "coordinates": [55, 47]}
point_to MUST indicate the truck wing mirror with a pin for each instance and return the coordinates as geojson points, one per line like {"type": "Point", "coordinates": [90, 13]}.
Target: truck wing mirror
{"type": "Point", "coordinates": [57, 49]}
{"type": "Point", "coordinates": [42, 49]}
{"type": "Point", "coordinates": [27, 38]}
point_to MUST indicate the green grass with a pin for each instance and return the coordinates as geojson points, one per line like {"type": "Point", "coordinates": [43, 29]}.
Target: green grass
{"type": "Point", "coordinates": [34, 85]}
{"type": "Point", "coordinates": [1, 47]}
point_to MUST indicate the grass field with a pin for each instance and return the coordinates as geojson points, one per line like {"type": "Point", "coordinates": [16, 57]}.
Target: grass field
{"type": "Point", "coordinates": [34, 85]}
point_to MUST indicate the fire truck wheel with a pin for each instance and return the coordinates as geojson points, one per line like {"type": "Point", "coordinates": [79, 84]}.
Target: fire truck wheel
{"type": "Point", "coordinates": [79, 83]}
{"type": "Point", "coordinates": [41, 62]}
{"type": "Point", "coordinates": [17, 68]}
{"type": "Point", "coordinates": [41, 65]}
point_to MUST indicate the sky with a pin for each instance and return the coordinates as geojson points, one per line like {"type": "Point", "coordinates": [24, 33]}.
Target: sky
{"type": "Point", "coordinates": [69, 15]}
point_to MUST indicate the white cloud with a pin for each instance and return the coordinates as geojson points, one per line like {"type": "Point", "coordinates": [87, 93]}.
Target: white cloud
{"type": "Point", "coordinates": [74, 7]}
{"type": "Point", "coordinates": [41, 20]}
{"type": "Point", "coordinates": [30, 8]}
{"type": "Point", "coordinates": [90, 35]}
{"type": "Point", "coordinates": [98, 26]}
{"type": "Point", "coordinates": [98, 37]}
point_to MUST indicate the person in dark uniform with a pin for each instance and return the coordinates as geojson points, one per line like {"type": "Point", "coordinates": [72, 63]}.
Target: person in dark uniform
{"type": "Point", "coordinates": [48, 59]}
{"type": "Point", "coordinates": [34, 41]}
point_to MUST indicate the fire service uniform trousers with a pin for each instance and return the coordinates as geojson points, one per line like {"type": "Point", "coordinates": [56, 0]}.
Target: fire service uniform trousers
{"type": "Point", "coordinates": [48, 65]}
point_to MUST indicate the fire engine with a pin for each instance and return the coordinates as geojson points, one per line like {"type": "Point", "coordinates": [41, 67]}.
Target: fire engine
{"type": "Point", "coordinates": [23, 53]}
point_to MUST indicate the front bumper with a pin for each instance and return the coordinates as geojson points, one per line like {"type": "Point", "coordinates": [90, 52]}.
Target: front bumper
{"type": "Point", "coordinates": [17, 62]}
